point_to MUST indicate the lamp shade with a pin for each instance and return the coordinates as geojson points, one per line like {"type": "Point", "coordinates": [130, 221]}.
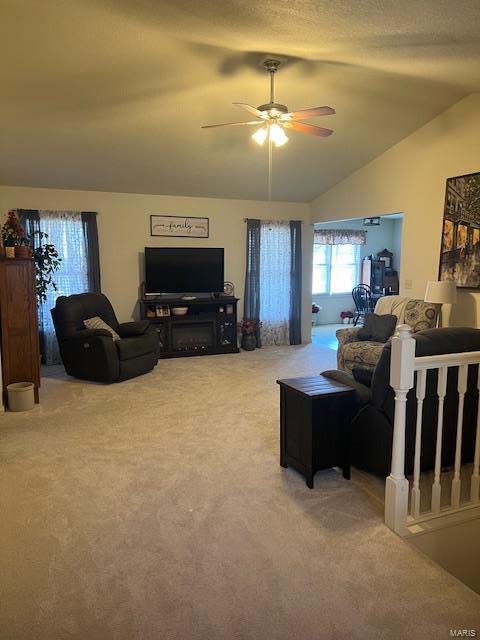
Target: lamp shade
{"type": "Point", "coordinates": [441, 292]}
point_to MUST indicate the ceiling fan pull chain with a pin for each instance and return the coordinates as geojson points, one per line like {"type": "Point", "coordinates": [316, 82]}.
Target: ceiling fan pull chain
{"type": "Point", "coordinates": [270, 162]}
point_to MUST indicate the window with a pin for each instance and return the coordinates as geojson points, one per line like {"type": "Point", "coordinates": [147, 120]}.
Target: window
{"type": "Point", "coordinates": [275, 282]}
{"type": "Point", "coordinates": [321, 263]}
{"type": "Point", "coordinates": [335, 268]}
{"type": "Point", "coordinates": [65, 231]}
{"type": "Point", "coordinates": [75, 237]}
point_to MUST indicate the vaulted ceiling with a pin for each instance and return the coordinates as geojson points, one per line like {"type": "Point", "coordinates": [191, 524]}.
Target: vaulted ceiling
{"type": "Point", "coordinates": [110, 94]}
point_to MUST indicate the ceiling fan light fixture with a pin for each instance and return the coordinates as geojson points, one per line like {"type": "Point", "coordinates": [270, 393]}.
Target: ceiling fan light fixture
{"type": "Point", "coordinates": [277, 135]}
{"type": "Point", "coordinates": [260, 135]}
{"type": "Point", "coordinates": [275, 117]}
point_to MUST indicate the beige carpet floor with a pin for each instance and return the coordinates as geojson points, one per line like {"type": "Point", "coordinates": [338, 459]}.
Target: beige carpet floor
{"type": "Point", "coordinates": [156, 509]}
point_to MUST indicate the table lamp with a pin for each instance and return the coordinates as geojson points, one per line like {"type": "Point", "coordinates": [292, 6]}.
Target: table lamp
{"type": "Point", "coordinates": [443, 293]}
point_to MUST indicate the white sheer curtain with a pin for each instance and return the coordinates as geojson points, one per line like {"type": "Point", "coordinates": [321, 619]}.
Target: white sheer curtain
{"type": "Point", "coordinates": [275, 281]}
{"type": "Point", "coordinates": [65, 232]}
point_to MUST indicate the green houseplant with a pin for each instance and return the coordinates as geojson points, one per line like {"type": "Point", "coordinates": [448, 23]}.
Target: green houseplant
{"type": "Point", "coordinates": [45, 256]}
{"type": "Point", "coordinates": [47, 262]}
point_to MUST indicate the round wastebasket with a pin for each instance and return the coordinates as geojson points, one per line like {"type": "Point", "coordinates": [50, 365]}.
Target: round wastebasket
{"type": "Point", "coordinates": [20, 396]}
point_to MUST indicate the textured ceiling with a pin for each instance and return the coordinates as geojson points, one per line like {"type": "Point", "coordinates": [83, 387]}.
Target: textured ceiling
{"type": "Point", "coordinates": [110, 94]}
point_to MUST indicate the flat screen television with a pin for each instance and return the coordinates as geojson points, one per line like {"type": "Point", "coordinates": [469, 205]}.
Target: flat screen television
{"type": "Point", "coordinates": [183, 270]}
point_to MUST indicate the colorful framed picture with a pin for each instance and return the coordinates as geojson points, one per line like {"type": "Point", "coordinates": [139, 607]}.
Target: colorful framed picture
{"type": "Point", "coordinates": [460, 251]}
{"type": "Point", "coordinates": [179, 226]}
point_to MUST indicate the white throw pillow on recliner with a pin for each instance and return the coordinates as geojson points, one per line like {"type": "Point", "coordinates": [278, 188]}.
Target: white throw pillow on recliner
{"type": "Point", "coordinates": [98, 323]}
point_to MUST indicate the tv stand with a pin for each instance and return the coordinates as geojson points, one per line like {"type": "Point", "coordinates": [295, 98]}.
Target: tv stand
{"type": "Point", "coordinates": [208, 327]}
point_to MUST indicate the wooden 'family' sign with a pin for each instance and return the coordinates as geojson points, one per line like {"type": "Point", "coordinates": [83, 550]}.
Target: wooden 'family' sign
{"type": "Point", "coordinates": [179, 226]}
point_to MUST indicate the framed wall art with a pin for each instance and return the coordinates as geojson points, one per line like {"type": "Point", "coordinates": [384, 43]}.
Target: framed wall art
{"type": "Point", "coordinates": [179, 226]}
{"type": "Point", "coordinates": [460, 251]}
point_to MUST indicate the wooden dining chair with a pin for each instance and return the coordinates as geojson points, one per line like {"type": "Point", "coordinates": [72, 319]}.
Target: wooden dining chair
{"type": "Point", "coordinates": [362, 297]}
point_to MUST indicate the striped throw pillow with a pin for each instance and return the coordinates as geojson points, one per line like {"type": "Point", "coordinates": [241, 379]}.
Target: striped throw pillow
{"type": "Point", "coordinates": [98, 323]}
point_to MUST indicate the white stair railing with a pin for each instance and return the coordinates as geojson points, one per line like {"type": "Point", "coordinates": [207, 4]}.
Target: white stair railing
{"type": "Point", "coordinates": [475, 481]}
{"type": "Point", "coordinates": [404, 365]}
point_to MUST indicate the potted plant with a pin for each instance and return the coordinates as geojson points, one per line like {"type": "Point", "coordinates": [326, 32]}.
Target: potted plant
{"type": "Point", "coordinates": [248, 327]}
{"type": "Point", "coordinates": [45, 256]}
{"type": "Point", "coordinates": [346, 316]}
{"type": "Point", "coordinates": [23, 250]}
{"type": "Point", "coordinates": [47, 261]}
{"type": "Point", "coordinates": [13, 235]}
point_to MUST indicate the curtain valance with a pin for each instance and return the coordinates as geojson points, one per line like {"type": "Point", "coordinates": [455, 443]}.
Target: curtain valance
{"type": "Point", "coordinates": [339, 236]}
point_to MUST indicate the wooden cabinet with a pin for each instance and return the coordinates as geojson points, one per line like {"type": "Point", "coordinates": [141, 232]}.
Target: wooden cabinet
{"type": "Point", "coordinates": [209, 325]}
{"type": "Point", "coordinates": [379, 277]}
{"type": "Point", "coordinates": [372, 274]}
{"type": "Point", "coordinates": [19, 324]}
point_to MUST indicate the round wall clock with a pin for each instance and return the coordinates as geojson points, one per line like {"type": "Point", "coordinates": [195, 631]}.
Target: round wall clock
{"type": "Point", "coordinates": [228, 288]}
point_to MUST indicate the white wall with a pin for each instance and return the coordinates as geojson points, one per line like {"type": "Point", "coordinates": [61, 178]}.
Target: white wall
{"type": "Point", "coordinates": [397, 243]}
{"type": "Point", "coordinates": [410, 178]}
{"type": "Point", "coordinates": [377, 239]}
{"type": "Point", "coordinates": [124, 231]}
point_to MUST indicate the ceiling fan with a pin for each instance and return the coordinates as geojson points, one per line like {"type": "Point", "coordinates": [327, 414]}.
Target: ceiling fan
{"type": "Point", "coordinates": [275, 117]}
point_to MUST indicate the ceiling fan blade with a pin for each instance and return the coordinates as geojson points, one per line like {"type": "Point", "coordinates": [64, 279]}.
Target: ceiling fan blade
{"type": "Point", "coordinates": [230, 124]}
{"type": "Point", "coordinates": [303, 114]}
{"type": "Point", "coordinates": [308, 128]}
{"type": "Point", "coordinates": [249, 108]}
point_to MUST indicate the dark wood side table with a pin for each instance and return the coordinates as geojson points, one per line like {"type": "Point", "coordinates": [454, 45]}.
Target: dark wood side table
{"type": "Point", "coordinates": [315, 416]}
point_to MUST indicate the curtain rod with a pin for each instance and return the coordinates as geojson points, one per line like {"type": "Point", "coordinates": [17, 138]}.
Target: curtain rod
{"type": "Point", "coordinates": [276, 220]}
{"type": "Point", "coordinates": [337, 229]}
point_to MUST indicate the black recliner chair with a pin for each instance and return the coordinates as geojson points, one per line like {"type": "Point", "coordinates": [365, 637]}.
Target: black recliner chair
{"type": "Point", "coordinates": [372, 426]}
{"type": "Point", "coordinates": [92, 354]}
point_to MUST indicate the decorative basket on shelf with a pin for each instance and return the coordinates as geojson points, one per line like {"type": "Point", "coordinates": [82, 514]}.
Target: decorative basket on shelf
{"type": "Point", "coordinates": [23, 251]}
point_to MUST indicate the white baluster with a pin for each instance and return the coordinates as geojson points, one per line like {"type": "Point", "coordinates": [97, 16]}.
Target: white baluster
{"type": "Point", "coordinates": [401, 380]}
{"type": "Point", "coordinates": [420, 392]}
{"type": "Point", "coordinates": [441, 391]}
{"type": "Point", "coordinates": [462, 388]}
{"type": "Point", "coordinates": [475, 485]}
